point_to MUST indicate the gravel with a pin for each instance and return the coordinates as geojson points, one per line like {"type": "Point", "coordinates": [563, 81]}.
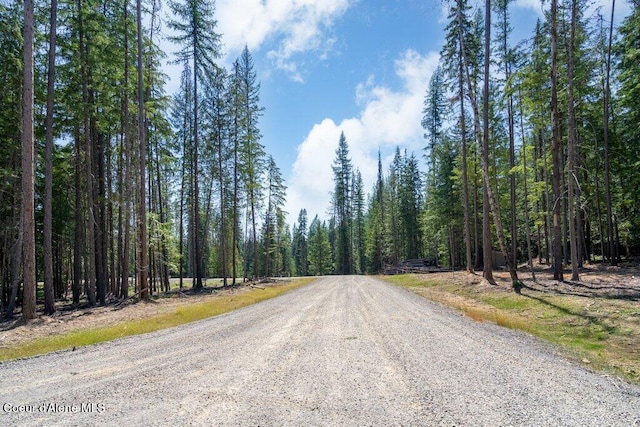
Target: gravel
{"type": "Point", "coordinates": [340, 351]}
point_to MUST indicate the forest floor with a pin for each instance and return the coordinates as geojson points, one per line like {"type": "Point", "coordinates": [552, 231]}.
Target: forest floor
{"type": "Point", "coordinates": [69, 318]}
{"type": "Point", "coordinates": [595, 320]}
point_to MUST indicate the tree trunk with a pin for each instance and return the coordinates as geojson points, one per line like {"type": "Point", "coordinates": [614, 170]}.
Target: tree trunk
{"type": "Point", "coordinates": [526, 194]}
{"type": "Point", "coordinates": [223, 208]}
{"type": "Point", "coordinates": [90, 241]}
{"type": "Point", "coordinates": [463, 130]}
{"type": "Point", "coordinates": [181, 225]}
{"type": "Point", "coordinates": [78, 240]}
{"type": "Point", "coordinates": [143, 249]}
{"type": "Point", "coordinates": [571, 147]}
{"type": "Point", "coordinates": [495, 212]}
{"type": "Point", "coordinates": [197, 281]}
{"type": "Point", "coordinates": [607, 172]}
{"type": "Point", "coordinates": [28, 172]}
{"type": "Point", "coordinates": [49, 305]}
{"type": "Point", "coordinates": [546, 206]}
{"type": "Point", "coordinates": [556, 149]}
{"type": "Point", "coordinates": [512, 149]}
{"type": "Point", "coordinates": [255, 238]}
{"type": "Point", "coordinates": [164, 262]}
{"type": "Point", "coordinates": [15, 270]}
{"type": "Point", "coordinates": [236, 201]}
{"type": "Point", "coordinates": [478, 252]}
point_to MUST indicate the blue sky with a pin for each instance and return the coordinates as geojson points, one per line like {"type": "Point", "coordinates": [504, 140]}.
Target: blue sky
{"type": "Point", "coordinates": [327, 66]}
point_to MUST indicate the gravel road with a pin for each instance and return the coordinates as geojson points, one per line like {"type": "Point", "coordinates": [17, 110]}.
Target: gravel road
{"type": "Point", "coordinates": [340, 351]}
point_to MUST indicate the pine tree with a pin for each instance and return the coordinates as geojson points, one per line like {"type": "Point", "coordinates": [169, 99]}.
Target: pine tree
{"type": "Point", "coordinates": [457, 50]}
{"type": "Point", "coordinates": [252, 152]}
{"type": "Point", "coordinates": [434, 114]}
{"type": "Point", "coordinates": [48, 196]}
{"type": "Point", "coordinates": [627, 52]}
{"type": "Point", "coordinates": [28, 171]}
{"type": "Point", "coordinates": [276, 194]}
{"type": "Point", "coordinates": [218, 119]}
{"type": "Point", "coordinates": [300, 244]}
{"type": "Point", "coordinates": [143, 249]}
{"type": "Point", "coordinates": [342, 207]}
{"type": "Point", "coordinates": [375, 225]}
{"type": "Point", "coordinates": [195, 32]}
{"type": "Point", "coordinates": [411, 203]}
{"type": "Point", "coordinates": [556, 149]}
{"type": "Point", "coordinates": [358, 223]}
{"type": "Point", "coordinates": [320, 259]}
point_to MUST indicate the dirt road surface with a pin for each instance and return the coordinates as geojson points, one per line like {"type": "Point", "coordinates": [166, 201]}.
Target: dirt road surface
{"type": "Point", "coordinates": [340, 351]}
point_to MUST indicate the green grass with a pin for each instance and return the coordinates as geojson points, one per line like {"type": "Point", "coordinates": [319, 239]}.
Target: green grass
{"type": "Point", "coordinates": [184, 314]}
{"type": "Point", "coordinates": [602, 337]}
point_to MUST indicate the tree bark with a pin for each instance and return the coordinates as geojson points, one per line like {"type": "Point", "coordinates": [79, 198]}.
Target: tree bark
{"type": "Point", "coordinates": [49, 305]}
{"type": "Point", "coordinates": [526, 194]}
{"type": "Point", "coordinates": [571, 148]}
{"type": "Point", "coordinates": [512, 149]}
{"type": "Point", "coordinates": [223, 206]}
{"type": "Point", "coordinates": [28, 171]}
{"type": "Point", "coordinates": [143, 249]}
{"type": "Point", "coordinates": [485, 151]}
{"type": "Point", "coordinates": [556, 150]}
{"type": "Point", "coordinates": [197, 281]}
{"type": "Point", "coordinates": [463, 130]}
{"type": "Point", "coordinates": [607, 167]}
{"type": "Point", "coordinates": [16, 270]}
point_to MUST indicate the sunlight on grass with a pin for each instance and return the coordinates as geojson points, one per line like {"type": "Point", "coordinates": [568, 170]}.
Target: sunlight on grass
{"type": "Point", "coordinates": [214, 306]}
{"type": "Point", "coordinates": [591, 337]}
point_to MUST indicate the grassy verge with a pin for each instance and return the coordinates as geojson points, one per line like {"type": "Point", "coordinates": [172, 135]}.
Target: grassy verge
{"type": "Point", "coordinates": [601, 333]}
{"type": "Point", "coordinates": [214, 306]}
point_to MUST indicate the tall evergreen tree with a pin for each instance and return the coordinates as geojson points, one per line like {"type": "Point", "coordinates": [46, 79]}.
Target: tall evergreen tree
{"type": "Point", "coordinates": [342, 207]}
{"type": "Point", "coordinates": [410, 204]}
{"type": "Point", "coordinates": [252, 152]}
{"type": "Point", "coordinates": [358, 223]}
{"type": "Point", "coordinates": [28, 170]}
{"type": "Point", "coordinates": [300, 244]}
{"type": "Point", "coordinates": [434, 114]}
{"type": "Point", "coordinates": [556, 149]}
{"type": "Point", "coordinates": [459, 40]}
{"type": "Point", "coordinates": [319, 249]}
{"type": "Point", "coordinates": [276, 194]}
{"type": "Point", "coordinates": [375, 224]}
{"type": "Point", "coordinates": [218, 112]}
{"type": "Point", "coordinates": [48, 174]}
{"type": "Point", "coordinates": [194, 26]}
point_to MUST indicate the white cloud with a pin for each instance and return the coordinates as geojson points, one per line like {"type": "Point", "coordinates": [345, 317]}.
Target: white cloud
{"type": "Point", "coordinates": [297, 26]}
{"type": "Point", "coordinates": [535, 5]}
{"type": "Point", "coordinates": [388, 118]}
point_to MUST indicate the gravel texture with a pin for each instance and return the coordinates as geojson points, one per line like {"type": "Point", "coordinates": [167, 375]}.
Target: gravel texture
{"type": "Point", "coordinates": [340, 351]}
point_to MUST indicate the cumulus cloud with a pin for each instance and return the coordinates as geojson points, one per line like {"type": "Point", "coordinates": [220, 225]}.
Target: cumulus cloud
{"type": "Point", "coordinates": [388, 118]}
{"type": "Point", "coordinates": [296, 26]}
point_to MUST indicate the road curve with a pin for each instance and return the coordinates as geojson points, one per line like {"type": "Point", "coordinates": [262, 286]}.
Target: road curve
{"type": "Point", "coordinates": [340, 351]}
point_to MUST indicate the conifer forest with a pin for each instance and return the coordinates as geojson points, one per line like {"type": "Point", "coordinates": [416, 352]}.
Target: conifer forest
{"type": "Point", "coordinates": [112, 188]}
